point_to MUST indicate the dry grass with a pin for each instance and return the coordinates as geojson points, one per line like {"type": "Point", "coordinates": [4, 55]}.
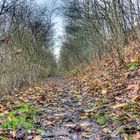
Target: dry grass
{"type": "Point", "coordinates": [23, 61]}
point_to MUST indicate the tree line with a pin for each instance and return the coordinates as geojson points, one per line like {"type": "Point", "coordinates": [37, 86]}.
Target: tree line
{"type": "Point", "coordinates": [93, 29]}
{"type": "Point", "coordinates": [26, 40]}
{"type": "Point", "coordinates": [96, 27]}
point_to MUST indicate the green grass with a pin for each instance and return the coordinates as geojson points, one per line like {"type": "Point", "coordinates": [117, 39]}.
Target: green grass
{"type": "Point", "coordinates": [3, 138]}
{"type": "Point", "coordinates": [106, 73]}
{"type": "Point", "coordinates": [133, 65]}
{"type": "Point", "coordinates": [102, 120]}
{"type": "Point", "coordinates": [22, 115]}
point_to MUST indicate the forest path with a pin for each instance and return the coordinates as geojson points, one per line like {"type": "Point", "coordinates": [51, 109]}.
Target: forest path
{"type": "Point", "coordinates": [94, 103]}
{"type": "Point", "coordinates": [77, 107]}
{"type": "Point", "coordinates": [66, 114]}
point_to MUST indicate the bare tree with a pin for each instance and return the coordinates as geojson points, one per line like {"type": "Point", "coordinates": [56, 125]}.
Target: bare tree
{"type": "Point", "coordinates": [101, 26]}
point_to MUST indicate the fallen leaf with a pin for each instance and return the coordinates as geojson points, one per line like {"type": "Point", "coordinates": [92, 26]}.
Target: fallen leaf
{"type": "Point", "coordinates": [104, 91]}
{"type": "Point", "coordinates": [135, 87]}
{"type": "Point", "coordinates": [1, 121]}
{"type": "Point", "coordinates": [18, 51]}
{"type": "Point", "coordinates": [37, 137]}
{"type": "Point", "coordinates": [136, 136]}
{"type": "Point", "coordinates": [9, 118]}
{"type": "Point", "coordinates": [84, 124]}
{"type": "Point", "coordinates": [12, 134]}
{"type": "Point", "coordinates": [125, 137]}
{"type": "Point", "coordinates": [120, 105]}
{"type": "Point", "coordinates": [136, 98]}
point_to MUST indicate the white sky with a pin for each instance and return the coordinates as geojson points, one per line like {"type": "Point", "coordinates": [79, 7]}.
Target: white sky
{"type": "Point", "coordinates": [59, 27]}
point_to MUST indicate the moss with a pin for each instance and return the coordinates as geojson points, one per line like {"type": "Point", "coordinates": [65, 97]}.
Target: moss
{"type": "Point", "coordinates": [22, 115]}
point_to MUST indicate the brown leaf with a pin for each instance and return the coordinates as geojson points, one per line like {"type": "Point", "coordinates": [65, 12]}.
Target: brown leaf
{"type": "Point", "coordinates": [1, 131]}
{"type": "Point", "coordinates": [135, 87]}
{"type": "Point", "coordinates": [136, 136]}
{"type": "Point", "coordinates": [136, 98]}
{"type": "Point", "coordinates": [12, 134]}
{"type": "Point", "coordinates": [125, 137]}
{"type": "Point", "coordinates": [104, 91]}
{"type": "Point", "coordinates": [37, 137]}
{"type": "Point", "coordinates": [1, 121]}
{"type": "Point", "coordinates": [18, 51]}
{"type": "Point", "coordinates": [120, 105]}
{"type": "Point", "coordinates": [84, 124]}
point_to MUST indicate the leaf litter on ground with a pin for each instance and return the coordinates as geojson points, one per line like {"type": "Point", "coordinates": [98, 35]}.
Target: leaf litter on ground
{"type": "Point", "coordinates": [92, 103]}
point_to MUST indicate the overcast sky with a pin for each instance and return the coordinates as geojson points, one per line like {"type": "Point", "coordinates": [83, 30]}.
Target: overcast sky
{"type": "Point", "coordinates": [58, 23]}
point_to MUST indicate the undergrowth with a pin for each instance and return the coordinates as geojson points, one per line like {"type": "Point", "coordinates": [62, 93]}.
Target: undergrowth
{"type": "Point", "coordinates": [23, 115]}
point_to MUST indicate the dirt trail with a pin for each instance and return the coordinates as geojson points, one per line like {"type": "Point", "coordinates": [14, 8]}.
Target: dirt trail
{"type": "Point", "coordinates": [95, 103]}
{"type": "Point", "coordinates": [63, 114]}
